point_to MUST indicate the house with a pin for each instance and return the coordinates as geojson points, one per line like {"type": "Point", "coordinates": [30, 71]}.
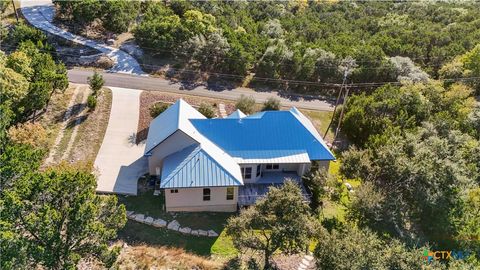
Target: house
{"type": "Point", "coordinates": [222, 163]}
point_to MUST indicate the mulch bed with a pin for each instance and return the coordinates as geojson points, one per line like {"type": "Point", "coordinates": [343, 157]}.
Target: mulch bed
{"type": "Point", "coordinates": [149, 98]}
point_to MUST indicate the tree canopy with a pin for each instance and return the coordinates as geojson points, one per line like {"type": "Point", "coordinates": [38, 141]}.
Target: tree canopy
{"type": "Point", "coordinates": [280, 221]}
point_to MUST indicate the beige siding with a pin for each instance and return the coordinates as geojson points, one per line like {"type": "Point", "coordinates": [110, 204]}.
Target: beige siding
{"type": "Point", "coordinates": [191, 200]}
{"type": "Point", "coordinates": [325, 164]}
{"type": "Point", "coordinates": [176, 142]}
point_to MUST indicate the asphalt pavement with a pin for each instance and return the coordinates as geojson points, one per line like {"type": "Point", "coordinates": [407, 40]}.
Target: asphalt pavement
{"type": "Point", "coordinates": [159, 84]}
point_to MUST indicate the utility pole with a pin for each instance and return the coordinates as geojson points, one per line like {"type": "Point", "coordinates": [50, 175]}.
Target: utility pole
{"type": "Point", "coordinates": [347, 66]}
{"type": "Point", "coordinates": [337, 130]}
{"type": "Point", "coordinates": [15, 10]}
{"type": "Point", "coordinates": [336, 103]}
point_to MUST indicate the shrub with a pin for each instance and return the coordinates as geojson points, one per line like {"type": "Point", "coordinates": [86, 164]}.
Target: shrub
{"type": "Point", "coordinates": [158, 108]}
{"type": "Point", "coordinates": [271, 104]}
{"type": "Point", "coordinates": [29, 133]}
{"type": "Point", "coordinates": [246, 104]}
{"type": "Point", "coordinates": [92, 102]}
{"type": "Point", "coordinates": [23, 32]}
{"type": "Point", "coordinates": [207, 110]}
{"type": "Point", "coordinates": [96, 82]}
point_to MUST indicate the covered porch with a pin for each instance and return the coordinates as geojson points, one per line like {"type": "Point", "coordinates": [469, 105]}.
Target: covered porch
{"type": "Point", "coordinates": [249, 193]}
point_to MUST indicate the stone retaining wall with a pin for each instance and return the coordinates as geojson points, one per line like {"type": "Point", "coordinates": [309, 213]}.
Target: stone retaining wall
{"type": "Point", "coordinates": [172, 225]}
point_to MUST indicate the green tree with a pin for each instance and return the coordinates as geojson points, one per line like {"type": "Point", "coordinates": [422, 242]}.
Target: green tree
{"type": "Point", "coordinates": [120, 14]}
{"type": "Point", "coordinates": [95, 82]}
{"type": "Point", "coordinates": [404, 108]}
{"type": "Point", "coordinates": [48, 77]}
{"type": "Point", "coordinates": [356, 249]}
{"type": "Point", "coordinates": [280, 221]}
{"type": "Point", "coordinates": [316, 181]}
{"type": "Point", "coordinates": [245, 104]}
{"type": "Point", "coordinates": [20, 63]}
{"type": "Point", "coordinates": [417, 180]}
{"type": "Point", "coordinates": [207, 110]}
{"type": "Point", "coordinates": [57, 219]}
{"type": "Point", "coordinates": [23, 32]}
{"type": "Point", "coordinates": [159, 35]}
{"type": "Point", "coordinates": [271, 104]}
{"type": "Point", "coordinates": [14, 85]}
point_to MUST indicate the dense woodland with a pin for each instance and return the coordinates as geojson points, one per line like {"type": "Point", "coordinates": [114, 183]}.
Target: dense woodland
{"type": "Point", "coordinates": [414, 147]}
{"type": "Point", "coordinates": [295, 40]}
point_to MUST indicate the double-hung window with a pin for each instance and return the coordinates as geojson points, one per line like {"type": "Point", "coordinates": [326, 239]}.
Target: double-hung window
{"type": "Point", "coordinates": [230, 193]}
{"type": "Point", "coordinates": [206, 194]}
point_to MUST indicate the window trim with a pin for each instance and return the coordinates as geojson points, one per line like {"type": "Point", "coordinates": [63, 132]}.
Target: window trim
{"type": "Point", "coordinates": [207, 193]}
{"type": "Point", "coordinates": [245, 173]}
{"type": "Point", "coordinates": [272, 166]}
{"type": "Point", "coordinates": [232, 195]}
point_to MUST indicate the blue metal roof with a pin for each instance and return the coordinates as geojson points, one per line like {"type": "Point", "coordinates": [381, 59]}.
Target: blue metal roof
{"type": "Point", "coordinates": [269, 130]}
{"type": "Point", "coordinates": [193, 167]}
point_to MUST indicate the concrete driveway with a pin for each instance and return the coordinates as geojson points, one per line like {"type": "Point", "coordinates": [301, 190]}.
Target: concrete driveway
{"type": "Point", "coordinates": [40, 13]}
{"type": "Point", "coordinates": [120, 161]}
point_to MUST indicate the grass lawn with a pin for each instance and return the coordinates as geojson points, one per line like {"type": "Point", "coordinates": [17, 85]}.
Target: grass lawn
{"type": "Point", "coordinates": [320, 120]}
{"type": "Point", "coordinates": [146, 203]}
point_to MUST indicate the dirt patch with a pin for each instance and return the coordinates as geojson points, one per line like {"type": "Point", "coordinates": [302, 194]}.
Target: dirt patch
{"type": "Point", "coordinates": [148, 257]}
{"type": "Point", "coordinates": [91, 130]}
{"type": "Point", "coordinates": [149, 98]}
{"type": "Point", "coordinates": [52, 118]}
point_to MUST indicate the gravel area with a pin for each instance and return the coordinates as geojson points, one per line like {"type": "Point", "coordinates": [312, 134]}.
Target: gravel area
{"type": "Point", "coordinates": [148, 98]}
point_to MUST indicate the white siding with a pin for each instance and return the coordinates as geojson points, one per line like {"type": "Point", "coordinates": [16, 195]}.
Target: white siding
{"type": "Point", "coordinates": [176, 142]}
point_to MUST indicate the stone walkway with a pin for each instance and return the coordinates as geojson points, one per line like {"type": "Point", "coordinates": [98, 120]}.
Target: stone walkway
{"type": "Point", "coordinates": [307, 263]}
{"type": "Point", "coordinates": [172, 225]}
{"type": "Point", "coordinates": [221, 109]}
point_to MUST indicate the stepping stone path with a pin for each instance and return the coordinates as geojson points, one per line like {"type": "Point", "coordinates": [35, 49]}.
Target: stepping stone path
{"type": "Point", "coordinates": [159, 223]}
{"type": "Point", "coordinates": [307, 263]}
{"type": "Point", "coordinates": [172, 225]}
{"type": "Point", "coordinates": [148, 220]}
{"type": "Point", "coordinates": [221, 109]}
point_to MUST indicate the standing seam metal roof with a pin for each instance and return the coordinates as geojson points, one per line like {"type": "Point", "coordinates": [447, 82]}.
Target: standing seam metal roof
{"type": "Point", "coordinates": [265, 131]}
{"type": "Point", "coordinates": [193, 167]}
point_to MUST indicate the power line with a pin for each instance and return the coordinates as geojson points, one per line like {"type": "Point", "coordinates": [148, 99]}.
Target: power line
{"type": "Point", "coordinates": [266, 79]}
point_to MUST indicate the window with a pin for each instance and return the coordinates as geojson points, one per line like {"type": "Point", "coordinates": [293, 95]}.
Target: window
{"type": "Point", "coordinates": [258, 170]}
{"type": "Point", "coordinates": [247, 172]}
{"type": "Point", "coordinates": [230, 192]}
{"type": "Point", "coordinates": [272, 166]}
{"type": "Point", "coordinates": [206, 194]}
{"type": "Point", "coordinates": [173, 190]}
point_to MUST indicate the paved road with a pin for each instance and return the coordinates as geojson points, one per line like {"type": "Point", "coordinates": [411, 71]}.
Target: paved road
{"type": "Point", "coordinates": [158, 84]}
{"type": "Point", "coordinates": [40, 14]}
{"type": "Point", "coordinates": [120, 162]}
